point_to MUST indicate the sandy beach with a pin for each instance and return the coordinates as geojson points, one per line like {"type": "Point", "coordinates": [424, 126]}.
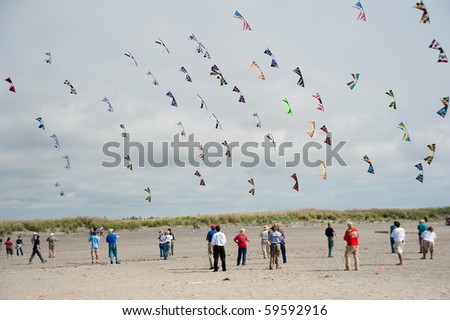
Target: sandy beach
{"type": "Point", "coordinates": [308, 273]}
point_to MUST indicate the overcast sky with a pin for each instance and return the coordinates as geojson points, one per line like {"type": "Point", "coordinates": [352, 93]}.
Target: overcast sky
{"type": "Point", "coordinates": [87, 40]}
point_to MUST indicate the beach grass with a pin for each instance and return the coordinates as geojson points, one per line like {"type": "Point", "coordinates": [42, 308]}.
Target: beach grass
{"type": "Point", "coordinates": [78, 224]}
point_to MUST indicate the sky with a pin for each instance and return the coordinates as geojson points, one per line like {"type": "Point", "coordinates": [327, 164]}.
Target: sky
{"type": "Point", "coordinates": [88, 39]}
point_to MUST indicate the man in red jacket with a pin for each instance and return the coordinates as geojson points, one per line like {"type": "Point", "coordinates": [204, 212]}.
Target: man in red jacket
{"type": "Point", "coordinates": [351, 236]}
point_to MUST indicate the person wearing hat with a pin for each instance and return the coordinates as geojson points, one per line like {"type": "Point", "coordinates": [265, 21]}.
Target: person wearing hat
{"type": "Point", "coordinates": [209, 236]}
{"type": "Point", "coordinates": [421, 227]}
{"type": "Point", "coordinates": [111, 239]}
{"type": "Point", "coordinates": [241, 239]}
{"type": "Point", "coordinates": [51, 245]}
{"type": "Point", "coordinates": [265, 246]}
{"type": "Point", "coordinates": [351, 236]}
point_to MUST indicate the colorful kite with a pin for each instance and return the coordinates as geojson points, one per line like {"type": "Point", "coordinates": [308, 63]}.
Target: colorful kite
{"type": "Point", "coordinates": [352, 83]}
{"type": "Point", "coordinates": [61, 191]}
{"type": "Point", "coordinates": [366, 159]}
{"type": "Point", "coordinates": [393, 104]}
{"type": "Point", "coordinates": [174, 102]}
{"type": "Point", "coordinates": [216, 72]}
{"type": "Point", "coordinates": [432, 148]}
{"type": "Point", "coordinates": [324, 172]}
{"type": "Point", "coordinates": [188, 77]}
{"type": "Point", "coordinates": [420, 168]}
{"type": "Point", "coordinates": [66, 157]}
{"type": "Point", "coordinates": [442, 56]}
{"type": "Point", "coordinates": [327, 135]}
{"type": "Point", "coordinates": [406, 136]}
{"type": "Point", "coordinates": [252, 187]}
{"type": "Point", "coordinates": [288, 108]}
{"type": "Point", "coordinates": [203, 104]}
{"type": "Point", "coordinates": [49, 57]}
{"type": "Point", "coordinates": [362, 14]}
{"type": "Point", "coordinates": [200, 47]}
{"type": "Point", "coordinates": [227, 148]}
{"type": "Point", "coordinates": [161, 43]}
{"type": "Point", "coordinates": [183, 133]}
{"type": "Point", "coordinates": [55, 138]}
{"type": "Point", "coordinates": [425, 17]}
{"type": "Point", "coordinates": [218, 124]}
{"type": "Point", "coordinates": [110, 108]}
{"type": "Point", "coordinates": [295, 187]}
{"type": "Point", "coordinates": [258, 121]}
{"type": "Point", "coordinates": [319, 101]}
{"type": "Point", "coordinates": [261, 74]}
{"type": "Point", "coordinates": [124, 133]}
{"type": "Point", "coordinates": [201, 155]}
{"type": "Point", "coordinates": [241, 98]}
{"type": "Point", "coordinates": [149, 195]}
{"type": "Point", "coordinates": [202, 182]}
{"type": "Point", "coordinates": [129, 164]}
{"type": "Point", "coordinates": [274, 63]}
{"type": "Point", "coordinates": [129, 55]}
{"type": "Point", "coordinates": [11, 85]}
{"type": "Point", "coordinates": [300, 81]}
{"type": "Point", "coordinates": [155, 82]}
{"type": "Point", "coordinates": [442, 112]}
{"type": "Point", "coordinates": [313, 129]}
{"type": "Point", "coordinates": [72, 89]}
{"type": "Point", "coordinates": [41, 123]}
{"type": "Point", "coordinates": [245, 25]}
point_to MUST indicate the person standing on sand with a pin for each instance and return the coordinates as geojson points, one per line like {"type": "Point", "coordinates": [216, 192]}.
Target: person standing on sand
{"type": "Point", "coordinates": [399, 237]}
{"type": "Point", "coordinates": [111, 239]}
{"type": "Point", "coordinates": [167, 239]}
{"type": "Point", "coordinates": [428, 238]}
{"type": "Point", "coordinates": [330, 234]}
{"type": "Point", "coordinates": [161, 243]}
{"type": "Point", "coordinates": [241, 239]}
{"type": "Point", "coordinates": [36, 249]}
{"type": "Point", "coordinates": [351, 236]}
{"type": "Point", "coordinates": [210, 246]}
{"type": "Point", "coordinates": [9, 247]}
{"type": "Point", "coordinates": [265, 246]}
{"type": "Point", "coordinates": [275, 239]}
{"type": "Point", "coordinates": [218, 241]}
{"type": "Point", "coordinates": [421, 227]}
{"type": "Point", "coordinates": [94, 239]}
{"type": "Point", "coordinates": [172, 242]}
{"type": "Point", "coordinates": [282, 244]}
{"type": "Point", "coordinates": [51, 245]}
{"type": "Point", "coordinates": [19, 245]}
{"type": "Point", "coordinates": [391, 228]}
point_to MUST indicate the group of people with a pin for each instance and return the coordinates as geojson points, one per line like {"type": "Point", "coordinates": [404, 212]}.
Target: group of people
{"type": "Point", "coordinates": [95, 235]}
{"type": "Point", "coordinates": [35, 245]}
{"type": "Point", "coordinates": [166, 241]}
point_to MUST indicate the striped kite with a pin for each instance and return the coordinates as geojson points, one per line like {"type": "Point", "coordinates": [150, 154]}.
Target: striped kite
{"type": "Point", "coordinates": [393, 104]}
{"type": "Point", "coordinates": [188, 77]}
{"type": "Point", "coordinates": [362, 14]}
{"type": "Point", "coordinates": [245, 25]}
{"type": "Point", "coordinates": [274, 63]}
{"type": "Point", "coordinates": [261, 74]}
{"type": "Point", "coordinates": [366, 159]}
{"type": "Point", "coordinates": [252, 187]}
{"type": "Point", "coordinates": [300, 81]}
{"type": "Point", "coordinates": [174, 102]}
{"type": "Point", "coordinates": [442, 56]}
{"type": "Point", "coordinates": [313, 129]}
{"type": "Point", "coordinates": [11, 85]}
{"type": "Point", "coordinates": [319, 101]}
{"type": "Point", "coordinates": [216, 72]}
{"type": "Point", "coordinates": [295, 187]}
{"type": "Point", "coordinates": [432, 148]}
{"type": "Point", "coordinates": [425, 17]}
{"type": "Point", "coordinates": [406, 136]}
{"type": "Point", "coordinates": [241, 98]}
{"type": "Point", "coordinates": [327, 135]}
{"type": "Point", "coordinates": [324, 172]}
{"type": "Point", "coordinates": [420, 168]}
{"type": "Point", "coordinates": [202, 181]}
{"type": "Point", "coordinates": [149, 195]}
{"type": "Point", "coordinates": [72, 89]}
{"type": "Point", "coordinates": [352, 83]}
{"type": "Point", "coordinates": [442, 112]}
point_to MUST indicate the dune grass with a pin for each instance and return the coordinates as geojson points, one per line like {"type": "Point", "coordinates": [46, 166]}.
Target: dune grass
{"type": "Point", "coordinates": [78, 224]}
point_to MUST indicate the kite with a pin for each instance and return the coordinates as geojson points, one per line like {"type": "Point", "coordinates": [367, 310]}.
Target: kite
{"type": "Point", "coordinates": [261, 74]}
{"type": "Point", "coordinates": [55, 138]}
{"type": "Point", "coordinates": [183, 133]}
{"type": "Point", "coordinates": [420, 168]}
{"type": "Point", "coordinates": [432, 148]}
{"type": "Point", "coordinates": [174, 102]}
{"type": "Point", "coordinates": [352, 83]}
{"type": "Point", "coordinates": [252, 187]}
{"type": "Point", "coordinates": [129, 55]}
{"type": "Point", "coordinates": [288, 108]}
{"type": "Point", "coordinates": [49, 57]}
{"type": "Point", "coordinates": [313, 129]}
{"type": "Point", "coordinates": [245, 25]}
{"type": "Point", "coordinates": [406, 136]}
{"type": "Point", "coordinates": [241, 98]}
{"type": "Point", "coordinates": [319, 101]}
{"type": "Point", "coordinates": [124, 133]}
{"type": "Point", "coordinates": [327, 134]}
{"type": "Point", "coordinates": [67, 161]}
{"type": "Point", "coordinates": [11, 85]}
{"type": "Point", "coordinates": [218, 125]}
{"type": "Point", "coordinates": [188, 77]}
{"type": "Point", "coordinates": [227, 147]}
{"type": "Point", "coordinates": [149, 196]}
{"type": "Point", "coordinates": [202, 102]}
{"type": "Point", "coordinates": [366, 159]}
{"type": "Point", "coordinates": [200, 47]}
{"type": "Point", "coordinates": [61, 191]}
{"type": "Point", "coordinates": [41, 123]}
{"type": "Point", "coordinates": [216, 72]}
{"type": "Point", "coordinates": [129, 163]}
{"type": "Point", "coordinates": [295, 187]}
{"type": "Point", "coordinates": [258, 121]}
{"type": "Point", "coordinates": [324, 172]}
{"type": "Point", "coordinates": [72, 89]}
{"type": "Point", "coordinates": [110, 108]}
{"type": "Point", "coordinates": [155, 82]}
{"type": "Point", "coordinates": [274, 63]}
{"type": "Point", "coordinates": [425, 17]}
{"type": "Point", "coordinates": [442, 112]}
{"type": "Point", "coordinates": [362, 14]}
{"type": "Point", "coordinates": [201, 155]}
{"type": "Point", "coordinates": [442, 56]}
{"type": "Point", "coordinates": [300, 81]}
{"type": "Point", "coordinates": [269, 136]}
{"type": "Point", "coordinates": [202, 181]}
{"type": "Point", "coordinates": [393, 104]}
{"type": "Point", "coordinates": [161, 43]}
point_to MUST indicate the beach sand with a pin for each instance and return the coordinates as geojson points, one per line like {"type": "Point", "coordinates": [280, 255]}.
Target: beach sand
{"type": "Point", "coordinates": [308, 273]}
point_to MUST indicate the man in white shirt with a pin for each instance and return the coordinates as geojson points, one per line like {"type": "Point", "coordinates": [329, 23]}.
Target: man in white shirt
{"type": "Point", "coordinates": [398, 234]}
{"type": "Point", "coordinates": [218, 241]}
{"type": "Point", "coordinates": [265, 245]}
